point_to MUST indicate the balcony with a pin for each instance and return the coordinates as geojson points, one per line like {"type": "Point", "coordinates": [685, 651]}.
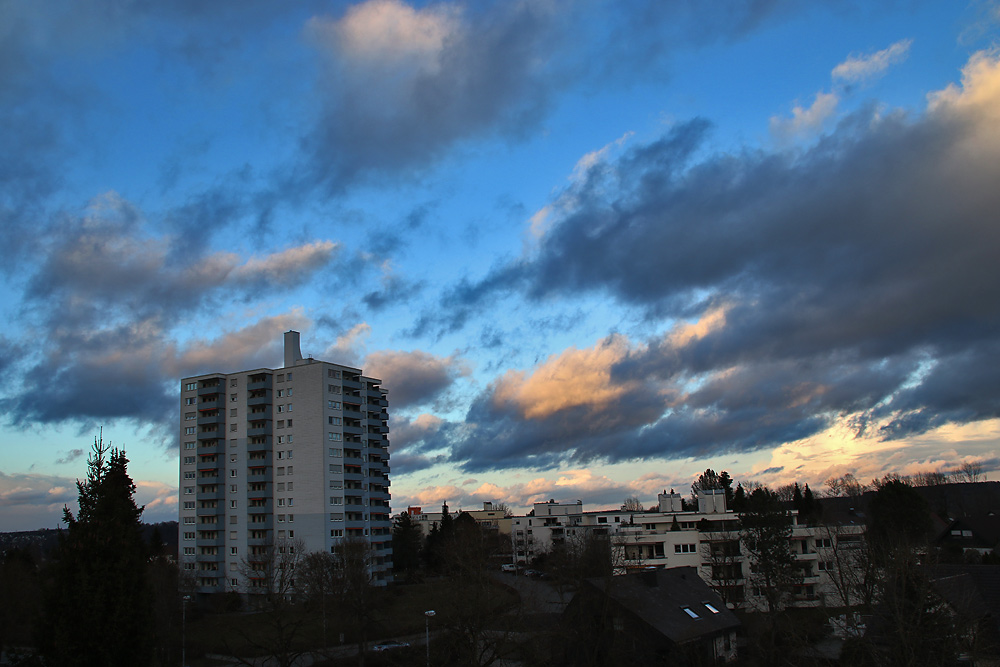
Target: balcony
{"type": "Point", "coordinates": [209, 403]}
{"type": "Point", "coordinates": [258, 443]}
{"type": "Point", "coordinates": [209, 447]}
{"type": "Point", "coordinates": [258, 430]}
{"type": "Point", "coordinates": [263, 398]}
{"type": "Point", "coordinates": [209, 389]}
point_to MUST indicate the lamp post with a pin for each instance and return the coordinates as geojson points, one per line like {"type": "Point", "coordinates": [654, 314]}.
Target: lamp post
{"type": "Point", "coordinates": [184, 601]}
{"type": "Point", "coordinates": [427, 631]}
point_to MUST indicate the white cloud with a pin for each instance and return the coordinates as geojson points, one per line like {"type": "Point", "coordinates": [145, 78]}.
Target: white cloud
{"type": "Point", "coordinates": [805, 121]}
{"type": "Point", "coordinates": [858, 68]}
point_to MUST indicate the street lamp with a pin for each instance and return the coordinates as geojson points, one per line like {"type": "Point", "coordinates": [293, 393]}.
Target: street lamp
{"type": "Point", "coordinates": [427, 630]}
{"type": "Point", "coordinates": [184, 601]}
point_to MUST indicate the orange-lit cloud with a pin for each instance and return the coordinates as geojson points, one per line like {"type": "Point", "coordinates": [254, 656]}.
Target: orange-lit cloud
{"type": "Point", "coordinates": [572, 378]}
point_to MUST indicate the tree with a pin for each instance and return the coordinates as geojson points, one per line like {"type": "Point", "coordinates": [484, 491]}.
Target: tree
{"type": "Point", "coordinates": [407, 539]}
{"type": "Point", "coordinates": [271, 571]}
{"type": "Point", "coordinates": [98, 610]}
{"type": "Point", "coordinates": [970, 471]}
{"type": "Point", "coordinates": [632, 504]}
{"type": "Point", "coordinates": [765, 528]}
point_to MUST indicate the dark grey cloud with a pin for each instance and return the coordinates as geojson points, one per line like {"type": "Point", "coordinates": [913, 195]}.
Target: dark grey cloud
{"type": "Point", "coordinates": [71, 455]}
{"type": "Point", "coordinates": [857, 279]}
{"type": "Point", "coordinates": [413, 378]}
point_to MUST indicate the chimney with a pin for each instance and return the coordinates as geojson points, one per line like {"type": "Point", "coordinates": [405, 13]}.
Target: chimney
{"type": "Point", "coordinates": [292, 352]}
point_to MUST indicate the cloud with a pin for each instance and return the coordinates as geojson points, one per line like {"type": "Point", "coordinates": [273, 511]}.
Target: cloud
{"type": "Point", "coordinates": [595, 490]}
{"type": "Point", "coordinates": [347, 349]}
{"type": "Point", "coordinates": [859, 68]}
{"type": "Point", "coordinates": [71, 455]}
{"type": "Point", "coordinates": [402, 85]}
{"type": "Point", "coordinates": [805, 122]}
{"type": "Point", "coordinates": [853, 281]}
{"type": "Point", "coordinates": [413, 378]}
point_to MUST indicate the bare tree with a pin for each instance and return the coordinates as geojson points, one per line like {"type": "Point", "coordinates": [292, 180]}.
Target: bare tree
{"type": "Point", "coordinates": [632, 504]}
{"type": "Point", "coordinates": [270, 572]}
{"type": "Point", "coordinates": [970, 471]}
{"type": "Point", "coordinates": [847, 485]}
{"type": "Point", "coordinates": [929, 478]}
{"type": "Point", "coordinates": [503, 507]}
{"type": "Point", "coordinates": [722, 553]}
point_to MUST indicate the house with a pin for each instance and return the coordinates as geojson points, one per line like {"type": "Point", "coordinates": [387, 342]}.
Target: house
{"type": "Point", "coordinates": [657, 616]}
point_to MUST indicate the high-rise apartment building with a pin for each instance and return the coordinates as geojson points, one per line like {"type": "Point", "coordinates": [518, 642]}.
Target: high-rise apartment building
{"type": "Point", "coordinates": [274, 459]}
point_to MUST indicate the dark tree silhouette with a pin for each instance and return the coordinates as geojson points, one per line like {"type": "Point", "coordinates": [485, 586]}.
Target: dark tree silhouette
{"type": "Point", "coordinates": [98, 609]}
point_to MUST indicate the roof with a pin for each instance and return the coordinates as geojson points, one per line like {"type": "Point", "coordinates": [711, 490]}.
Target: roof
{"type": "Point", "coordinates": [659, 599]}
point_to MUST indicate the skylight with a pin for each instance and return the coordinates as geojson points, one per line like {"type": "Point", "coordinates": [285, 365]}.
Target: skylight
{"type": "Point", "coordinates": [711, 608]}
{"type": "Point", "coordinates": [690, 612]}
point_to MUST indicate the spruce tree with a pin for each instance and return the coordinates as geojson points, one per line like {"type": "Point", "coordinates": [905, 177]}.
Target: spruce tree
{"type": "Point", "coordinates": [99, 607]}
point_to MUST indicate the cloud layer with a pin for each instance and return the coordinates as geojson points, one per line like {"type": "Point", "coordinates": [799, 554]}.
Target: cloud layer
{"type": "Point", "coordinates": [857, 279]}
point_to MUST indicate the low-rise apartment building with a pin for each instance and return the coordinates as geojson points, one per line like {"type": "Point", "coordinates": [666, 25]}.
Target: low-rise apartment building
{"type": "Point", "coordinates": [708, 539]}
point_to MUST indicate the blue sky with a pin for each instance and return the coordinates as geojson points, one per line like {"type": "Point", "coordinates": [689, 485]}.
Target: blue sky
{"type": "Point", "coordinates": [592, 248]}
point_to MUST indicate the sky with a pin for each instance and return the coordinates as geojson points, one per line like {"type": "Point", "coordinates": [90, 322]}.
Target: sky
{"type": "Point", "coordinates": [592, 248]}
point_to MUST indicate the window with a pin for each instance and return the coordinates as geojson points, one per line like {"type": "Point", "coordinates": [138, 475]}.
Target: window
{"type": "Point", "coordinates": [336, 469]}
{"type": "Point", "coordinates": [189, 430]}
{"type": "Point", "coordinates": [232, 551]}
{"type": "Point", "coordinates": [289, 377]}
{"type": "Point", "coordinates": [281, 408]}
{"type": "Point", "coordinates": [289, 407]}
{"type": "Point", "coordinates": [335, 437]}
{"type": "Point", "coordinates": [281, 502]}
{"type": "Point", "coordinates": [281, 486]}
{"type": "Point", "coordinates": [232, 427]}
{"type": "Point", "coordinates": [289, 392]}
{"type": "Point", "coordinates": [189, 519]}
{"type": "Point", "coordinates": [281, 377]}
{"type": "Point", "coordinates": [335, 421]}
{"type": "Point", "coordinates": [232, 504]}
{"type": "Point", "coordinates": [189, 445]}
{"type": "Point", "coordinates": [233, 382]}
{"type": "Point", "coordinates": [289, 451]}
{"type": "Point", "coordinates": [189, 416]}
{"type": "Point", "coordinates": [189, 551]}
{"type": "Point", "coordinates": [291, 501]}
{"type": "Point", "coordinates": [291, 486]}
{"type": "Point", "coordinates": [281, 441]}
{"type": "Point", "coordinates": [602, 519]}
{"type": "Point", "coordinates": [289, 470]}
{"type": "Point", "coordinates": [336, 517]}
{"type": "Point", "coordinates": [190, 400]}
{"type": "Point", "coordinates": [690, 612]}
{"type": "Point", "coordinates": [190, 386]}
{"type": "Point", "coordinates": [232, 473]}
{"type": "Point", "coordinates": [279, 394]}
{"type": "Point", "coordinates": [188, 490]}
{"type": "Point", "coordinates": [334, 484]}
{"type": "Point", "coordinates": [710, 608]}
{"type": "Point", "coordinates": [232, 488]}
{"type": "Point", "coordinates": [336, 532]}
{"type": "Point", "coordinates": [232, 398]}
{"type": "Point", "coordinates": [281, 423]}
{"type": "Point", "coordinates": [333, 405]}
{"type": "Point", "coordinates": [335, 452]}
{"type": "Point", "coordinates": [232, 534]}
{"type": "Point", "coordinates": [824, 543]}
{"type": "Point", "coordinates": [336, 500]}
{"type": "Point", "coordinates": [232, 412]}
{"type": "Point", "coordinates": [188, 460]}
{"type": "Point", "coordinates": [281, 518]}
{"type": "Point", "coordinates": [190, 475]}
{"type": "Point", "coordinates": [291, 534]}
{"type": "Point", "coordinates": [281, 535]}
{"type": "Point", "coordinates": [685, 548]}
{"type": "Point", "coordinates": [333, 389]}
{"type": "Point", "coordinates": [290, 437]}
{"type": "Point", "coordinates": [233, 518]}
{"type": "Point", "coordinates": [189, 504]}
{"type": "Point", "coordinates": [281, 471]}
{"type": "Point", "coordinates": [189, 535]}
{"type": "Point", "coordinates": [332, 373]}
{"type": "Point", "coordinates": [825, 566]}
{"type": "Point", "coordinates": [232, 458]}
{"type": "Point", "coordinates": [291, 517]}
{"type": "Point", "coordinates": [289, 423]}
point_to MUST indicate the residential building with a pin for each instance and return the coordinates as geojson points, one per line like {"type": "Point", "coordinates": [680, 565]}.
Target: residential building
{"type": "Point", "coordinates": [489, 518]}
{"type": "Point", "coordinates": [279, 459]}
{"type": "Point", "coordinates": [708, 539]}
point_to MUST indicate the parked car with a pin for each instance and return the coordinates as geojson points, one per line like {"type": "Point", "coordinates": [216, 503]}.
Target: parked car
{"type": "Point", "coordinates": [508, 567]}
{"type": "Point", "coordinates": [389, 645]}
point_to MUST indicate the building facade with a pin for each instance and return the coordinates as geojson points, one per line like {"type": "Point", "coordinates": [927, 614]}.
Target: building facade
{"type": "Point", "coordinates": [708, 539]}
{"type": "Point", "coordinates": [273, 460]}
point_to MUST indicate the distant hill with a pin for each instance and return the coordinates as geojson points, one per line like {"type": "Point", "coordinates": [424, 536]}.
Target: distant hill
{"type": "Point", "coordinates": [41, 543]}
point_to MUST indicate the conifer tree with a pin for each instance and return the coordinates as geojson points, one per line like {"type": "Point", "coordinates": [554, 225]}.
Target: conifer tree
{"type": "Point", "coordinates": [98, 609]}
